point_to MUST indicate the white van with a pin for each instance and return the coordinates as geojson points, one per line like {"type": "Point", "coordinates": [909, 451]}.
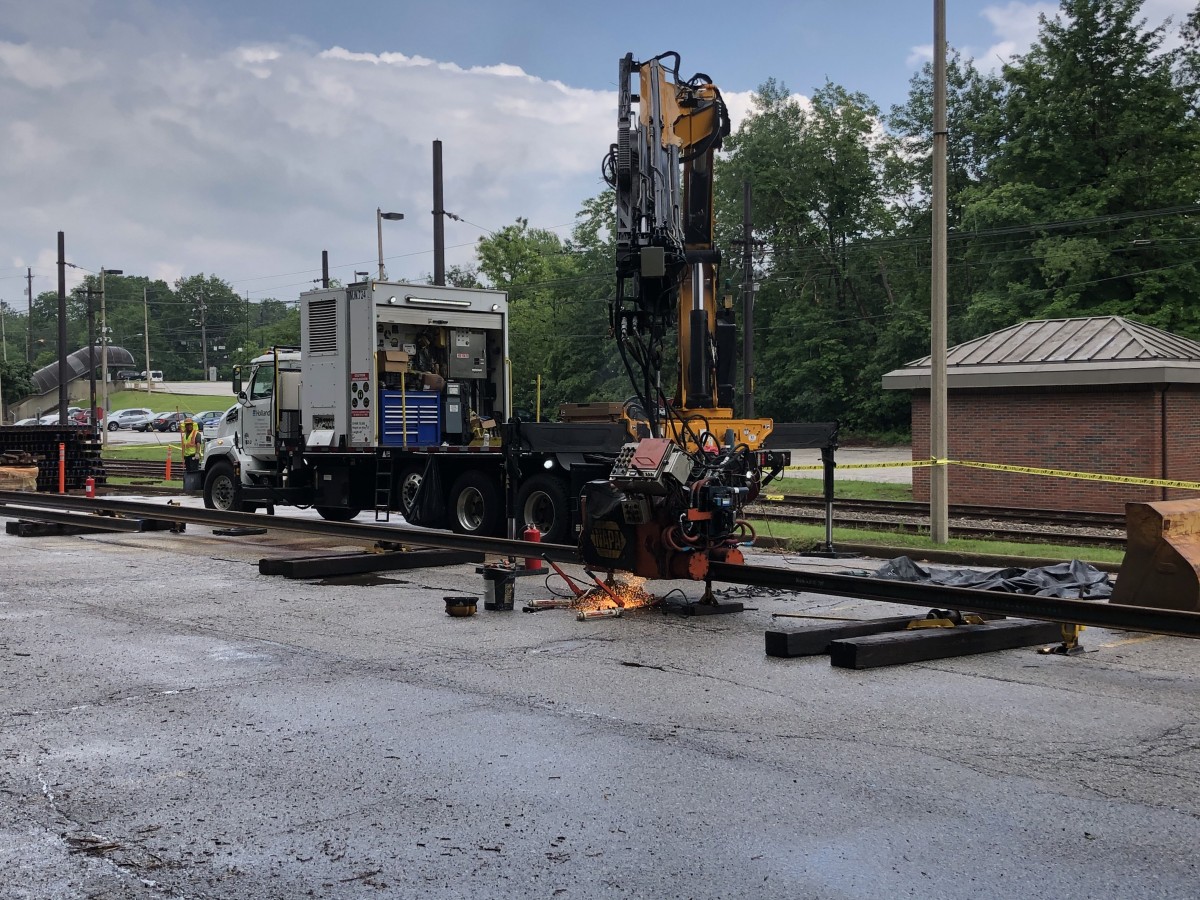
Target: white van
{"type": "Point", "coordinates": [155, 375]}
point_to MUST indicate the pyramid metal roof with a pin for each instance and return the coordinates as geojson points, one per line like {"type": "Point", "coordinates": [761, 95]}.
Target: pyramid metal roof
{"type": "Point", "coordinates": [1095, 350]}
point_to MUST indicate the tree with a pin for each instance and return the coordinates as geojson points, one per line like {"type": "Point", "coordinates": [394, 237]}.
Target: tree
{"type": "Point", "coordinates": [827, 182]}
{"type": "Point", "coordinates": [207, 310]}
{"type": "Point", "coordinates": [1088, 206]}
{"type": "Point", "coordinates": [15, 381]}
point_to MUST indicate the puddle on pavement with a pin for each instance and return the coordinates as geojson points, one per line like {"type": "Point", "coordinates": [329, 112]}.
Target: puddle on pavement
{"type": "Point", "coordinates": [367, 579]}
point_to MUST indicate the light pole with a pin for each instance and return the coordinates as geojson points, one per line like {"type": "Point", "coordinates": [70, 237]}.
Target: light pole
{"type": "Point", "coordinates": [146, 333]}
{"type": "Point", "coordinates": [104, 352]}
{"type": "Point", "coordinates": [379, 217]}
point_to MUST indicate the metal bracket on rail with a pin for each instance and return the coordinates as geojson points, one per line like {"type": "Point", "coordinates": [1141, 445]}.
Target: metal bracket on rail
{"type": "Point", "coordinates": [1070, 645]}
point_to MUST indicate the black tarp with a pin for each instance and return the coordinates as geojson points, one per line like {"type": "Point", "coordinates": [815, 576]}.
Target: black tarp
{"type": "Point", "coordinates": [1072, 580]}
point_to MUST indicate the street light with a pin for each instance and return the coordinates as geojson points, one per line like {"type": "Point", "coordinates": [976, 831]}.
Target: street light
{"type": "Point", "coordinates": [379, 217]}
{"type": "Point", "coordinates": [104, 352]}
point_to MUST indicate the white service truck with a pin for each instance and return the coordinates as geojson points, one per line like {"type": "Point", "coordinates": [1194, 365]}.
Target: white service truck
{"type": "Point", "coordinates": [399, 400]}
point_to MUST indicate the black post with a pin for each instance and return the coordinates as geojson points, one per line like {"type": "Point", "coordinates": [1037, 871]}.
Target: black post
{"type": "Point", "coordinates": [324, 268]}
{"type": "Point", "coordinates": [747, 305]}
{"type": "Point", "coordinates": [91, 314]}
{"type": "Point", "coordinates": [439, 219]}
{"type": "Point", "coordinates": [62, 329]}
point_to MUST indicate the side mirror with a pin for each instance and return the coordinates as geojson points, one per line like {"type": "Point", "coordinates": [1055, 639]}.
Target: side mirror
{"type": "Point", "coordinates": [237, 381]}
{"type": "Point", "coordinates": [243, 399]}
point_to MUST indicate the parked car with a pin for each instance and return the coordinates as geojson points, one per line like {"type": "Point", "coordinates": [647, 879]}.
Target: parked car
{"type": "Point", "coordinates": [222, 425]}
{"type": "Point", "coordinates": [128, 375]}
{"type": "Point", "coordinates": [129, 419]}
{"type": "Point", "coordinates": [52, 418]}
{"type": "Point", "coordinates": [169, 421]}
{"type": "Point", "coordinates": [149, 424]}
{"type": "Point", "coordinates": [30, 421]}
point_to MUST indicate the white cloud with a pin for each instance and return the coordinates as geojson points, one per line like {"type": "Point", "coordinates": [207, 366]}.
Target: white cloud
{"type": "Point", "coordinates": [166, 155]}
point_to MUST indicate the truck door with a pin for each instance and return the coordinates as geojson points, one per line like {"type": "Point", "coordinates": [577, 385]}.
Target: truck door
{"type": "Point", "coordinates": [258, 413]}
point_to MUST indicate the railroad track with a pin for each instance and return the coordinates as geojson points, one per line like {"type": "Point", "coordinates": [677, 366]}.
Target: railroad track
{"type": "Point", "coordinates": [1070, 528]}
{"type": "Point", "coordinates": [1080, 612]}
{"type": "Point", "coordinates": [142, 468]}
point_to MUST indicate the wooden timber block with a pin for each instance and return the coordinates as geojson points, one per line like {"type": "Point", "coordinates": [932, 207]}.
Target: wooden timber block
{"type": "Point", "coordinates": [814, 640]}
{"type": "Point", "coordinates": [895, 648]}
{"type": "Point", "coordinates": [333, 565]}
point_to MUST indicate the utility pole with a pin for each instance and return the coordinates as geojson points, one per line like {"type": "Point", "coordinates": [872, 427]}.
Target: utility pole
{"type": "Point", "coordinates": [439, 220]}
{"type": "Point", "coordinates": [146, 335]}
{"type": "Point", "coordinates": [104, 347]}
{"type": "Point", "coordinates": [29, 319]}
{"type": "Point", "coordinates": [62, 329]}
{"type": "Point", "coordinates": [203, 335]}
{"type": "Point", "coordinates": [939, 477]}
{"type": "Point", "coordinates": [3, 332]}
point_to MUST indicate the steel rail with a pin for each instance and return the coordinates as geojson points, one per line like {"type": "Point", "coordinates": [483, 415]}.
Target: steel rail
{"type": "Point", "coordinates": [1098, 614]}
{"type": "Point", "coordinates": [12, 502]}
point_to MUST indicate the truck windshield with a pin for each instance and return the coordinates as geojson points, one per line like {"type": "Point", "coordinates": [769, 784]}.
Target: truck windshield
{"type": "Point", "coordinates": [263, 384]}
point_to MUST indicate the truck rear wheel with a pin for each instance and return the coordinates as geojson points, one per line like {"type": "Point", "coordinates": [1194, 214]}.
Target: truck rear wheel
{"type": "Point", "coordinates": [409, 483]}
{"type": "Point", "coordinates": [475, 505]}
{"type": "Point", "coordinates": [221, 488]}
{"type": "Point", "coordinates": [542, 501]}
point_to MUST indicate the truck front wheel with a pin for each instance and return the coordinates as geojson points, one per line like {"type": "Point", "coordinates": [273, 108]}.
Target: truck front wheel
{"type": "Point", "coordinates": [542, 501]}
{"type": "Point", "coordinates": [221, 489]}
{"type": "Point", "coordinates": [475, 505]}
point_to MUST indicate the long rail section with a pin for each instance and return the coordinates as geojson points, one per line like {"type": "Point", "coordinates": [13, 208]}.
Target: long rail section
{"type": "Point", "coordinates": [1096, 614]}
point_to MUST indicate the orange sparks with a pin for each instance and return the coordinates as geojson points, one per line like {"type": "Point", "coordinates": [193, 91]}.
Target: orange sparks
{"type": "Point", "coordinates": [620, 595]}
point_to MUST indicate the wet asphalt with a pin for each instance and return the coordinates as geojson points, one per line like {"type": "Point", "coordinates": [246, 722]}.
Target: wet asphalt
{"type": "Point", "coordinates": [174, 724]}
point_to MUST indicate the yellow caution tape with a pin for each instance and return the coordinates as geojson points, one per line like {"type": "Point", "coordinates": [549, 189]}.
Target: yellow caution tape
{"type": "Point", "coordinates": [1020, 470]}
{"type": "Point", "coordinates": [1086, 476]}
{"type": "Point", "coordinates": [878, 465]}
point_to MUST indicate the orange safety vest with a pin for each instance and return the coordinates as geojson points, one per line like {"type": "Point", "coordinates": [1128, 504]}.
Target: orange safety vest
{"type": "Point", "coordinates": [189, 436]}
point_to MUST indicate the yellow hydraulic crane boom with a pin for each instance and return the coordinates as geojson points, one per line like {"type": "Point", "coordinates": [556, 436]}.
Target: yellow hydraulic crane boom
{"type": "Point", "coordinates": [673, 503]}
{"type": "Point", "coordinates": [667, 264]}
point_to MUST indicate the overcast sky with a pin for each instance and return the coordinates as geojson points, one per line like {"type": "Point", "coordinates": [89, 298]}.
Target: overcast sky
{"type": "Point", "coordinates": [243, 137]}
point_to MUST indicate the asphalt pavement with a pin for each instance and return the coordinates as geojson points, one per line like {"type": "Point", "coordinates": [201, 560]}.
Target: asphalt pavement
{"type": "Point", "coordinates": [177, 725]}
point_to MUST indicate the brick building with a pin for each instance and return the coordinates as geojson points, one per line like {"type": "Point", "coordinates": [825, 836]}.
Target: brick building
{"type": "Point", "coordinates": [1100, 394]}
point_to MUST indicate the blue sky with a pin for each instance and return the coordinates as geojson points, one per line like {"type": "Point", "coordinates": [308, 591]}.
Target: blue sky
{"type": "Point", "coordinates": [864, 44]}
{"type": "Point", "coordinates": [242, 138]}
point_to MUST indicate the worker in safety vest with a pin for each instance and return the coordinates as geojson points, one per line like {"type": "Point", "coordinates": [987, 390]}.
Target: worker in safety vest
{"type": "Point", "coordinates": [189, 436]}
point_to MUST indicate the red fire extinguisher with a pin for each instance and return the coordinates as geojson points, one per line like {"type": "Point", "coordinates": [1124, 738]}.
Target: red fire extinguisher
{"type": "Point", "coordinates": [89, 487]}
{"type": "Point", "coordinates": [531, 533]}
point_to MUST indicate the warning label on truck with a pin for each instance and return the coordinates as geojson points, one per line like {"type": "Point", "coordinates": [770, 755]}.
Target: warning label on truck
{"type": "Point", "coordinates": [360, 431]}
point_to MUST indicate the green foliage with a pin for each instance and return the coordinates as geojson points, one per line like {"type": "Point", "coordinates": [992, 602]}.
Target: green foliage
{"type": "Point", "coordinates": [557, 293]}
{"type": "Point", "coordinates": [1085, 207]}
